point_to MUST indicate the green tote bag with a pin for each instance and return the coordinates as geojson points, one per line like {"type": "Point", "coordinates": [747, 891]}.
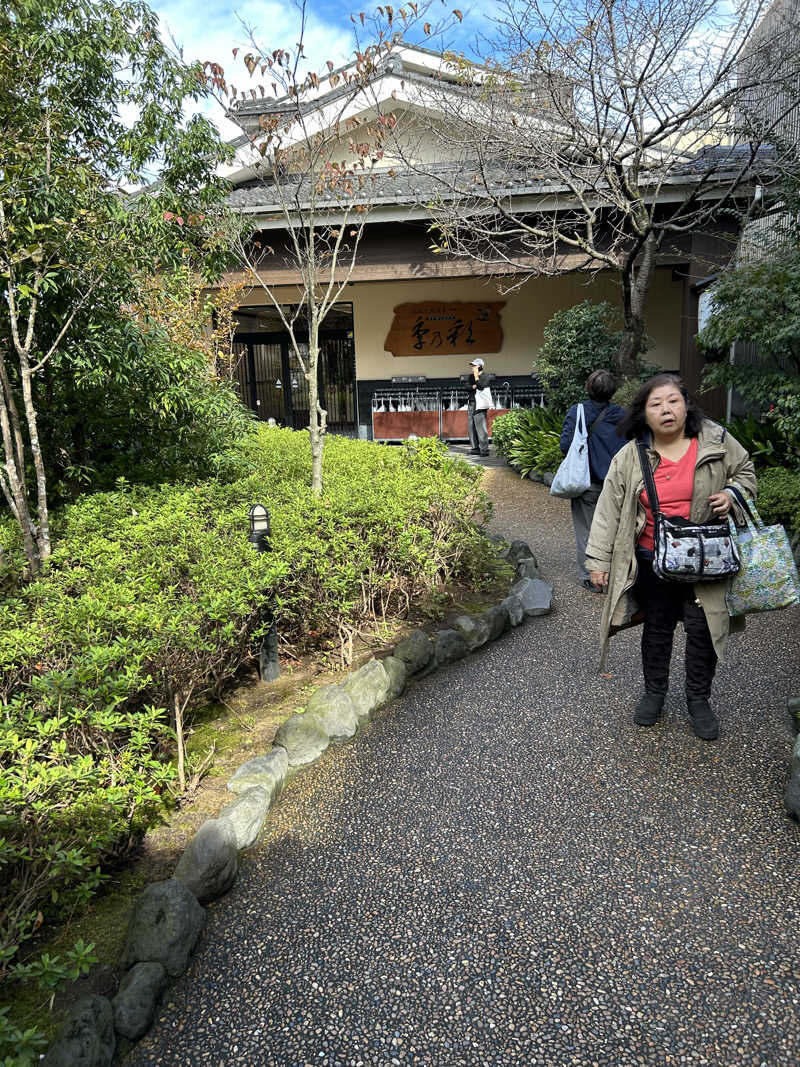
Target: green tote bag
{"type": "Point", "coordinates": [767, 579]}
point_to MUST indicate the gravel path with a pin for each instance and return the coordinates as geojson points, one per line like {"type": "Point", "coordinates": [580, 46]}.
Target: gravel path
{"type": "Point", "coordinates": [503, 869]}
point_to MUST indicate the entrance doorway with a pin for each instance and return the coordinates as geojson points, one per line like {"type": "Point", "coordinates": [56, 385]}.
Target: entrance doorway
{"type": "Point", "coordinates": [270, 380]}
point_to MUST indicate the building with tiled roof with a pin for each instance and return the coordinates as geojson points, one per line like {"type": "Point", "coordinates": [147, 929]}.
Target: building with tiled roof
{"type": "Point", "coordinates": [406, 323]}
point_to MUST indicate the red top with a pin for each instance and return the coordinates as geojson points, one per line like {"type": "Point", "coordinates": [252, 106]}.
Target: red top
{"type": "Point", "coordinates": [674, 486]}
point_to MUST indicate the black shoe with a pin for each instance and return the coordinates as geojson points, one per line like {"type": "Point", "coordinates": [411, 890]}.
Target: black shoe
{"type": "Point", "coordinates": [648, 710]}
{"type": "Point", "coordinates": [474, 452]}
{"type": "Point", "coordinates": [484, 453]}
{"type": "Point", "coordinates": [704, 722]}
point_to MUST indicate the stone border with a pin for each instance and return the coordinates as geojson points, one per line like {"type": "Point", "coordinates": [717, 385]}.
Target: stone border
{"type": "Point", "coordinates": [791, 797]}
{"type": "Point", "coordinates": [167, 918]}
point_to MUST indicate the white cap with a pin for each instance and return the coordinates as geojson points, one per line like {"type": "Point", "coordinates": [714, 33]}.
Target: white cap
{"type": "Point", "coordinates": [476, 362]}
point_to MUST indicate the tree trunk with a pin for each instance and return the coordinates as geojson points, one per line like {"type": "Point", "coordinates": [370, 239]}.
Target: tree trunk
{"type": "Point", "coordinates": [13, 481]}
{"type": "Point", "coordinates": [43, 529]}
{"type": "Point", "coordinates": [636, 275]}
{"type": "Point", "coordinates": [317, 416]}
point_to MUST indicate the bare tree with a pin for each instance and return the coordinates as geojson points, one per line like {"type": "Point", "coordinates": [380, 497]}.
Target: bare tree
{"type": "Point", "coordinates": [599, 133]}
{"type": "Point", "coordinates": [315, 150]}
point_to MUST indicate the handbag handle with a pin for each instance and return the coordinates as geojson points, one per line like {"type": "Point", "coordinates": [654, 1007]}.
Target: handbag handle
{"type": "Point", "coordinates": [598, 419]}
{"type": "Point", "coordinates": [748, 507]}
{"type": "Point", "coordinates": [580, 420]}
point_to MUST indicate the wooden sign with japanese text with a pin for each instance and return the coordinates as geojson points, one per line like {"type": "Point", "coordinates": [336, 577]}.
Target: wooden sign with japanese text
{"type": "Point", "coordinates": [437, 328]}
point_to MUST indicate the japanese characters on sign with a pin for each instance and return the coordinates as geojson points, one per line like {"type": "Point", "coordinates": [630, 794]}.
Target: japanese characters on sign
{"type": "Point", "coordinates": [445, 329]}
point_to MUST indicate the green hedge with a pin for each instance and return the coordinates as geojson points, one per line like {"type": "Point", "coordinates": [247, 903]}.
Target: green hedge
{"type": "Point", "coordinates": [779, 497]}
{"type": "Point", "coordinates": [154, 594]}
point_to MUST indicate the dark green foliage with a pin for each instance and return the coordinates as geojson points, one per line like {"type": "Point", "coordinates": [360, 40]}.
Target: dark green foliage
{"type": "Point", "coordinates": [529, 439]}
{"type": "Point", "coordinates": [111, 398]}
{"type": "Point", "coordinates": [759, 303]}
{"type": "Point", "coordinates": [506, 428]}
{"type": "Point", "coordinates": [153, 593]}
{"type": "Point", "coordinates": [157, 416]}
{"type": "Point", "coordinates": [577, 340]}
{"type": "Point", "coordinates": [779, 497]}
{"type": "Point", "coordinates": [766, 440]}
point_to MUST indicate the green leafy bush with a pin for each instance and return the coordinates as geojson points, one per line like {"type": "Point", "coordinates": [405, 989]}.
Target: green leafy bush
{"type": "Point", "coordinates": [504, 428]}
{"type": "Point", "coordinates": [154, 596]}
{"type": "Point", "coordinates": [766, 440]}
{"type": "Point", "coordinates": [577, 340]}
{"type": "Point", "coordinates": [779, 497]}
{"type": "Point", "coordinates": [534, 445]}
{"type": "Point", "coordinates": [507, 428]}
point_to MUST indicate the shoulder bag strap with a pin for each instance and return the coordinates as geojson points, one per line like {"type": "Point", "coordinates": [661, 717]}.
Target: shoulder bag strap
{"type": "Point", "coordinates": [598, 418]}
{"type": "Point", "coordinates": [649, 481]}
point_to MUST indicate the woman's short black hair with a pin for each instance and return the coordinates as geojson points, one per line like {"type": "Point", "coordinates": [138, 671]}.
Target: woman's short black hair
{"type": "Point", "coordinates": [601, 386]}
{"type": "Point", "coordinates": [634, 425]}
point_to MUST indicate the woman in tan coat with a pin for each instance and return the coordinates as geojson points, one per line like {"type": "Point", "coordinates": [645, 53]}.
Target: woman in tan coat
{"type": "Point", "coordinates": [693, 459]}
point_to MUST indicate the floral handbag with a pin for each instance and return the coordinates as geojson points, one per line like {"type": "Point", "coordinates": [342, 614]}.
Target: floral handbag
{"type": "Point", "coordinates": [767, 579]}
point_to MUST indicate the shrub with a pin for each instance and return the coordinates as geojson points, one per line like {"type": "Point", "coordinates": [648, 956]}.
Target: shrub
{"type": "Point", "coordinates": [153, 597]}
{"type": "Point", "coordinates": [507, 428]}
{"type": "Point", "coordinates": [577, 340]}
{"type": "Point", "coordinates": [504, 428]}
{"type": "Point", "coordinates": [779, 497]}
{"type": "Point", "coordinates": [534, 445]}
{"type": "Point", "coordinates": [765, 440]}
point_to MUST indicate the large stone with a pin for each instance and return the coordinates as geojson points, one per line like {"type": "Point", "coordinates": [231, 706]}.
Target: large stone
{"type": "Point", "coordinates": [416, 651]}
{"type": "Point", "coordinates": [474, 629]}
{"type": "Point", "coordinates": [536, 595]}
{"type": "Point", "coordinates": [548, 477]}
{"type": "Point", "coordinates": [449, 646]}
{"type": "Point", "coordinates": [86, 1038]}
{"type": "Point", "coordinates": [135, 1004]}
{"type": "Point", "coordinates": [791, 798]}
{"type": "Point", "coordinates": [514, 607]}
{"type": "Point", "coordinates": [398, 675]}
{"type": "Point", "coordinates": [268, 772]}
{"type": "Point", "coordinates": [333, 709]}
{"type": "Point", "coordinates": [303, 738]}
{"type": "Point", "coordinates": [247, 815]}
{"type": "Point", "coordinates": [527, 568]}
{"type": "Point", "coordinates": [368, 687]}
{"type": "Point", "coordinates": [519, 550]}
{"type": "Point", "coordinates": [795, 765]}
{"type": "Point", "coordinates": [164, 926]}
{"type": "Point", "coordinates": [497, 619]}
{"type": "Point", "coordinates": [210, 861]}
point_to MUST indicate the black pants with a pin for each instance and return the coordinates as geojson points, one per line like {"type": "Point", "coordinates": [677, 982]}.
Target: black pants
{"type": "Point", "coordinates": [664, 605]}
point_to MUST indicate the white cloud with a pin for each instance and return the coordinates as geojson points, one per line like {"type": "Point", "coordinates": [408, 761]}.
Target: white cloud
{"type": "Point", "coordinates": [212, 31]}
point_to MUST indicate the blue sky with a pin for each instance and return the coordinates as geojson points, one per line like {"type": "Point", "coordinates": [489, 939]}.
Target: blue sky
{"type": "Point", "coordinates": [211, 29]}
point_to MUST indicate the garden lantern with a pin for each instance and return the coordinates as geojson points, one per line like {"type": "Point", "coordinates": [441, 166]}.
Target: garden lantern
{"type": "Point", "coordinates": [268, 665]}
{"type": "Point", "coordinates": [259, 527]}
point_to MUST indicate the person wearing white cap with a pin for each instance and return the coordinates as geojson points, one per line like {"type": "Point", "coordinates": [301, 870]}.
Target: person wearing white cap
{"type": "Point", "coordinates": [478, 404]}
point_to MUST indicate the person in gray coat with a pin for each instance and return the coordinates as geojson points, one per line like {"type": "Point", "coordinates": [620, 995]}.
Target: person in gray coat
{"type": "Point", "coordinates": [604, 442]}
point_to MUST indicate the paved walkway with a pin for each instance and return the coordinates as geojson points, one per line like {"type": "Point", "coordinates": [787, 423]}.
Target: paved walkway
{"type": "Point", "coordinates": [504, 870]}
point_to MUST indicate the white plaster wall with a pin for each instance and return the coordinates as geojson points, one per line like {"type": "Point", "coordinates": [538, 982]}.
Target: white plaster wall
{"type": "Point", "coordinates": [526, 313]}
{"type": "Point", "coordinates": [523, 319]}
{"type": "Point", "coordinates": [411, 142]}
